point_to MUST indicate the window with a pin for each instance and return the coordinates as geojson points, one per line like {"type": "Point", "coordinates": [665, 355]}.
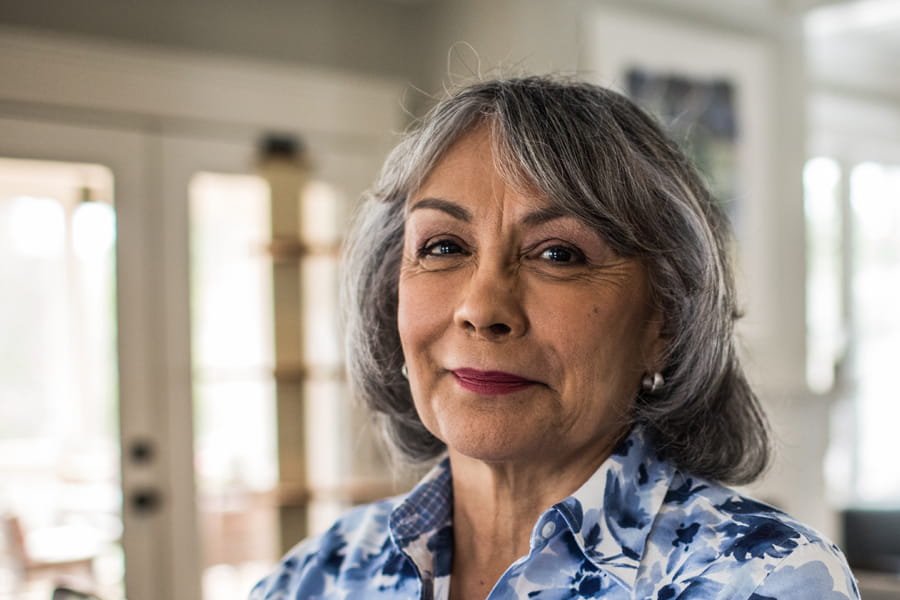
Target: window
{"type": "Point", "coordinates": [875, 202]}
{"type": "Point", "coordinates": [824, 247]}
{"type": "Point", "coordinates": [234, 392]}
{"type": "Point", "coordinates": [853, 291]}
{"type": "Point", "coordinates": [235, 376]}
{"type": "Point", "coordinates": [58, 388]}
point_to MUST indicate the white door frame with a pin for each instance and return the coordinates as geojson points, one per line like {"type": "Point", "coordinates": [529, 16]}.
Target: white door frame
{"type": "Point", "coordinates": [152, 116]}
{"type": "Point", "coordinates": [139, 372]}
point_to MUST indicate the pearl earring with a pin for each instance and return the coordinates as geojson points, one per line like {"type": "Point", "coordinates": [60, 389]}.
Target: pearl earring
{"type": "Point", "coordinates": [651, 383]}
{"type": "Point", "coordinates": [404, 371]}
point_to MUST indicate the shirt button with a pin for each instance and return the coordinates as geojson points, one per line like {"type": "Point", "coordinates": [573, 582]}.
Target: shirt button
{"type": "Point", "coordinates": [548, 529]}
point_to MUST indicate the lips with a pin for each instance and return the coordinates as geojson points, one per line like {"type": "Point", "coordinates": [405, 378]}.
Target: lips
{"type": "Point", "coordinates": [490, 383]}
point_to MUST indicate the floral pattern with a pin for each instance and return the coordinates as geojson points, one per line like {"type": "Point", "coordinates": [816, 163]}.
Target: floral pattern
{"type": "Point", "coordinates": [638, 529]}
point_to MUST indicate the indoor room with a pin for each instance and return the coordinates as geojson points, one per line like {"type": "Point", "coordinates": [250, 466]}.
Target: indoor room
{"type": "Point", "coordinates": [177, 181]}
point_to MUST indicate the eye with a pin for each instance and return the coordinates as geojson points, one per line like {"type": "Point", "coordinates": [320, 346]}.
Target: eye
{"type": "Point", "coordinates": [440, 248]}
{"type": "Point", "coordinates": [561, 254]}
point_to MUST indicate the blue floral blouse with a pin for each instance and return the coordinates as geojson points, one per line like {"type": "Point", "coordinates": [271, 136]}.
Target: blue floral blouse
{"type": "Point", "coordinates": [638, 529]}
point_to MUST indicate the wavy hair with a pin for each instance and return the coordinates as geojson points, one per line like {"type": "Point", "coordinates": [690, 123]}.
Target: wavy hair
{"type": "Point", "coordinates": [597, 156]}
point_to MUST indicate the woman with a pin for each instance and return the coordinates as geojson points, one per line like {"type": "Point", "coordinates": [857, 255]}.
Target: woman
{"type": "Point", "coordinates": [539, 292]}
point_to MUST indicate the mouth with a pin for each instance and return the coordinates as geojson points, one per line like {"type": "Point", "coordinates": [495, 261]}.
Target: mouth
{"type": "Point", "coordinates": [490, 383]}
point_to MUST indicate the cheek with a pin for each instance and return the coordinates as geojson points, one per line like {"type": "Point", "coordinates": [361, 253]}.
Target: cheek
{"type": "Point", "coordinates": [593, 342]}
{"type": "Point", "coordinates": [569, 322]}
{"type": "Point", "coordinates": [418, 310]}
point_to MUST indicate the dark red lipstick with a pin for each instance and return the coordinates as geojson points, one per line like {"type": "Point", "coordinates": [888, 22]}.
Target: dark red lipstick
{"type": "Point", "coordinates": [490, 383]}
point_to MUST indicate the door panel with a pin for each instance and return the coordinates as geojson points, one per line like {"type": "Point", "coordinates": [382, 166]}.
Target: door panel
{"type": "Point", "coordinates": [58, 391]}
{"type": "Point", "coordinates": [146, 497]}
{"type": "Point", "coordinates": [219, 286]}
{"type": "Point", "coordinates": [164, 504]}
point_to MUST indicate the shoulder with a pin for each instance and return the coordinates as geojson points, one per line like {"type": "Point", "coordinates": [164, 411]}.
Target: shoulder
{"type": "Point", "coordinates": [722, 540]}
{"type": "Point", "coordinates": [813, 571]}
{"type": "Point", "coordinates": [742, 528]}
{"type": "Point", "coordinates": [352, 553]}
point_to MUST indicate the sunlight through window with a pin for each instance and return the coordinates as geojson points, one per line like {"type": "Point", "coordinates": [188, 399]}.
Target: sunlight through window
{"type": "Point", "coordinates": [875, 200]}
{"type": "Point", "coordinates": [59, 457]}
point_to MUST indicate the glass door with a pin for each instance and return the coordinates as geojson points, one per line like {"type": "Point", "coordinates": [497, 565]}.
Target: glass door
{"type": "Point", "coordinates": [219, 300]}
{"type": "Point", "coordinates": [233, 386]}
{"type": "Point", "coordinates": [181, 471]}
{"type": "Point", "coordinates": [277, 448]}
{"type": "Point", "coordinates": [86, 493]}
{"type": "Point", "coordinates": [61, 500]}
{"type": "Point", "coordinates": [59, 443]}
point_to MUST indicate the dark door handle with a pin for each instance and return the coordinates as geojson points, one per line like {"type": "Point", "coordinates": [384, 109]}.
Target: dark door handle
{"type": "Point", "coordinates": [142, 451]}
{"type": "Point", "coordinates": [146, 501]}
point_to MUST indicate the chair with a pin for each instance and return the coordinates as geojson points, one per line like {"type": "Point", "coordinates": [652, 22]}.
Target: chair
{"type": "Point", "coordinates": [66, 593]}
{"type": "Point", "coordinates": [50, 565]}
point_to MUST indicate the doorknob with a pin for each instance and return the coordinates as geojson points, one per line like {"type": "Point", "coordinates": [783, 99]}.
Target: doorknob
{"type": "Point", "coordinates": [141, 451]}
{"type": "Point", "coordinates": [146, 501]}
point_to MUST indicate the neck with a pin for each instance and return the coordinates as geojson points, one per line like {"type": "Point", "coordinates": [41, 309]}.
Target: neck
{"type": "Point", "coordinates": [495, 508]}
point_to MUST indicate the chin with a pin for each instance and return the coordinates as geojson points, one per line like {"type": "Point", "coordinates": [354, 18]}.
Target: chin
{"type": "Point", "coordinates": [498, 429]}
{"type": "Point", "coordinates": [494, 445]}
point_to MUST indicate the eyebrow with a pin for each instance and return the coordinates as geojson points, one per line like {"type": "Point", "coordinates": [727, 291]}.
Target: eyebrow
{"type": "Point", "coordinates": [543, 215]}
{"type": "Point", "coordinates": [451, 208]}
{"type": "Point", "coordinates": [535, 217]}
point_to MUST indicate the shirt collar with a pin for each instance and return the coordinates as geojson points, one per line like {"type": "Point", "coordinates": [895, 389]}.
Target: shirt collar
{"type": "Point", "coordinates": [428, 507]}
{"type": "Point", "coordinates": [612, 513]}
{"type": "Point", "coordinates": [421, 524]}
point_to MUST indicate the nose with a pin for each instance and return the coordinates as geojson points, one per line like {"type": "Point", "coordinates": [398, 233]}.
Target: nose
{"type": "Point", "coordinates": [490, 306]}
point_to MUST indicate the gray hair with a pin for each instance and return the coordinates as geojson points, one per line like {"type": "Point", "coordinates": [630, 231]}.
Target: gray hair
{"type": "Point", "coordinates": [600, 158]}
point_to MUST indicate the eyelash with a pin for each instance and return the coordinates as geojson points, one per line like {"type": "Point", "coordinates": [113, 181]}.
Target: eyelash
{"type": "Point", "coordinates": [427, 250]}
{"type": "Point", "coordinates": [576, 257]}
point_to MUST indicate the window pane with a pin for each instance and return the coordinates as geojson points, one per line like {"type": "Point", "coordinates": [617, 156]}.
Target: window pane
{"type": "Point", "coordinates": [326, 420]}
{"type": "Point", "coordinates": [322, 344]}
{"type": "Point", "coordinates": [234, 392]}
{"type": "Point", "coordinates": [231, 289]}
{"type": "Point", "coordinates": [234, 388]}
{"type": "Point", "coordinates": [875, 199]}
{"type": "Point", "coordinates": [58, 389]}
{"type": "Point", "coordinates": [824, 246]}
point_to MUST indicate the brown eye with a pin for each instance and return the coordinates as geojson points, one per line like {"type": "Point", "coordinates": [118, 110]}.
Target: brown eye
{"type": "Point", "coordinates": [560, 254]}
{"type": "Point", "coordinates": [443, 247]}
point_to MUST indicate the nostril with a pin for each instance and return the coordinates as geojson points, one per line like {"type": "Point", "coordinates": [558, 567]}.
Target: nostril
{"type": "Point", "coordinates": [500, 329]}
{"type": "Point", "coordinates": [493, 331]}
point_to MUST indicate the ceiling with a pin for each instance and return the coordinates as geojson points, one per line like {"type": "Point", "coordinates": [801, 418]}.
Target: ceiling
{"type": "Point", "coordinates": [854, 47]}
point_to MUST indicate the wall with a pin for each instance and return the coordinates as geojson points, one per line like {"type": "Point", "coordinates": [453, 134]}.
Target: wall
{"type": "Point", "coordinates": [372, 36]}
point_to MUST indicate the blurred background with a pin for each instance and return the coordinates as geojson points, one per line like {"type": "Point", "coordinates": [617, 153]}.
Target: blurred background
{"type": "Point", "coordinates": [175, 181]}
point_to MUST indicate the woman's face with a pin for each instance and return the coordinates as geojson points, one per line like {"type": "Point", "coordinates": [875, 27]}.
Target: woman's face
{"type": "Point", "coordinates": [525, 336]}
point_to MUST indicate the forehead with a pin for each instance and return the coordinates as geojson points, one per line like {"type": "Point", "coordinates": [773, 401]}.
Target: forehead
{"type": "Point", "coordinates": [472, 167]}
{"type": "Point", "coordinates": [473, 152]}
